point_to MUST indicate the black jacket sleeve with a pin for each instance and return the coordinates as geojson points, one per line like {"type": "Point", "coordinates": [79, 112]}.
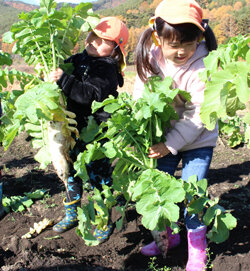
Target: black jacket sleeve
{"type": "Point", "coordinates": [92, 79]}
{"type": "Point", "coordinates": [100, 82]}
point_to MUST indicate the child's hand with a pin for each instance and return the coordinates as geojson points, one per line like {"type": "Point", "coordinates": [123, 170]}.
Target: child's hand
{"type": "Point", "coordinates": [55, 75]}
{"type": "Point", "coordinates": [158, 151]}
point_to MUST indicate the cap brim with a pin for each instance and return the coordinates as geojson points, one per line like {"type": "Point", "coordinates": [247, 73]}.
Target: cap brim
{"type": "Point", "coordinates": [99, 34]}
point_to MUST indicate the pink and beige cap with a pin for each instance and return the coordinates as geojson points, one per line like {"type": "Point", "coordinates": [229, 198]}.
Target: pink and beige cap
{"type": "Point", "coordinates": [179, 12]}
{"type": "Point", "coordinates": [112, 28]}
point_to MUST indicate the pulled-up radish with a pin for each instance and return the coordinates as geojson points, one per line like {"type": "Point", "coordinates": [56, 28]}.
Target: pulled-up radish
{"type": "Point", "coordinates": [60, 141]}
{"type": "Point", "coordinates": [161, 240]}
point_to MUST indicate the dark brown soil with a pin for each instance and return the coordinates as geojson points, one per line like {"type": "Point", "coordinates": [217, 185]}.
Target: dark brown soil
{"type": "Point", "coordinates": [228, 179]}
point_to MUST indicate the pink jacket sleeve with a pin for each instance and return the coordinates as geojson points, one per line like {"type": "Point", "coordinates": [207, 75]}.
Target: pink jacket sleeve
{"type": "Point", "coordinates": [188, 128]}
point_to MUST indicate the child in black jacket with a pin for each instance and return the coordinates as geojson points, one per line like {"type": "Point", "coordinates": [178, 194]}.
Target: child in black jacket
{"type": "Point", "coordinates": [97, 74]}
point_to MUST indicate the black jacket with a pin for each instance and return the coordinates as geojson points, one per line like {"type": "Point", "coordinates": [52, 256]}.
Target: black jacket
{"type": "Point", "coordinates": [92, 79]}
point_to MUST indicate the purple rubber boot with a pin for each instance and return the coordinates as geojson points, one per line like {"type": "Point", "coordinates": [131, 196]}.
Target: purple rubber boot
{"type": "Point", "coordinates": [152, 249]}
{"type": "Point", "coordinates": [197, 244]}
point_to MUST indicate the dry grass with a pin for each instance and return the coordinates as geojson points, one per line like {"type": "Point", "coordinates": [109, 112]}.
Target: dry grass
{"type": "Point", "coordinates": [18, 64]}
{"type": "Point", "coordinates": [129, 79]}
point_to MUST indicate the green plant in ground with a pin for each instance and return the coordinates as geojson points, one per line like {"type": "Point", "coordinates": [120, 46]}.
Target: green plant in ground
{"type": "Point", "coordinates": [227, 86]}
{"type": "Point", "coordinates": [20, 203]}
{"type": "Point", "coordinates": [209, 264]}
{"type": "Point", "coordinates": [44, 201]}
{"type": "Point", "coordinates": [152, 266]}
{"type": "Point", "coordinates": [133, 127]}
{"type": "Point", "coordinates": [213, 214]}
{"type": "Point", "coordinates": [8, 76]}
{"type": "Point", "coordinates": [233, 130]}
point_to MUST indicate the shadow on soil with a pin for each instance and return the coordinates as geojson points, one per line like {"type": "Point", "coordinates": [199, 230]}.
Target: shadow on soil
{"type": "Point", "coordinates": [236, 171]}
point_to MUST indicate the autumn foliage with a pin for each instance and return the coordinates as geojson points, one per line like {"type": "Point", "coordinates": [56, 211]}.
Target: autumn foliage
{"type": "Point", "coordinates": [227, 18]}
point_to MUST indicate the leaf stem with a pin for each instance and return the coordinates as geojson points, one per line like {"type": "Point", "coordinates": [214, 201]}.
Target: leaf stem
{"type": "Point", "coordinates": [65, 33]}
{"type": "Point", "coordinates": [139, 165]}
{"type": "Point", "coordinates": [138, 146]}
{"type": "Point", "coordinates": [152, 161]}
{"type": "Point", "coordinates": [53, 51]}
{"type": "Point", "coordinates": [40, 51]}
{"type": "Point", "coordinates": [44, 62]}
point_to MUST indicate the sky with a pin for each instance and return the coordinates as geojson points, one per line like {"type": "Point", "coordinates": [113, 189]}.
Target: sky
{"type": "Point", "coordinates": [36, 2]}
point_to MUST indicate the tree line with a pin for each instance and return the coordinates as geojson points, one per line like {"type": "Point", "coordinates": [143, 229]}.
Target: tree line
{"type": "Point", "coordinates": [228, 18]}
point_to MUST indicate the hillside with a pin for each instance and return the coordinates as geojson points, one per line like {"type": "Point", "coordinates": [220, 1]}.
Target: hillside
{"type": "Point", "coordinates": [8, 15]}
{"type": "Point", "coordinates": [9, 11]}
{"type": "Point", "coordinates": [106, 4]}
{"type": "Point", "coordinates": [135, 13]}
{"type": "Point", "coordinates": [20, 5]}
{"type": "Point", "coordinates": [227, 18]}
{"type": "Point", "coordinates": [97, 5]}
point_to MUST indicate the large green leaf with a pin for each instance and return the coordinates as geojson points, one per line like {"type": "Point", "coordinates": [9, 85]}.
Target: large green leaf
{"type": "Point", "coordinates": [48, 4]}
{"type": "Point", "coordinates": [157, 217]}
{"type": "Point", "coordinates": [196, 206]}
{"type": "Point", "coordinates": [89, 132]}
{"type": "Point", "coordinates": [38, 102]}
{"type": "Point", "coordinates": [220, 230]}
{"type": "Point", "coordinates": [43, 157]}
{"type": "Point", "coordinates": [241, 81]}
{"type": "Point", "coordinates": [227, 81]}
{"type": "Point", "coordinates": [84, 227]}
{"type": "Point", "coordinates": [11, 132]}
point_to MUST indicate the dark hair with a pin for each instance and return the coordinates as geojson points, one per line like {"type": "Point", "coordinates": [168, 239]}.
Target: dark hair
{"type": "Point", "coordinates": [209, 36]}
{"type": "Point", "coordinates": [181, 32]}
{"type": "Point", "coordinates": [117, 55]}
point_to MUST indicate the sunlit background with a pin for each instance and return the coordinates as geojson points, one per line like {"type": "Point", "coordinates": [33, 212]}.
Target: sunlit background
{"type": "Point", "coordinates": [37, 2]}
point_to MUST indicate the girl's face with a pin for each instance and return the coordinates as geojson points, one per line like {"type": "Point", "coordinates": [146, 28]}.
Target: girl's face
{"type": "Point", "coordinates": [98, 47]}
{"type": "Point", "coordinates": [176, 52]}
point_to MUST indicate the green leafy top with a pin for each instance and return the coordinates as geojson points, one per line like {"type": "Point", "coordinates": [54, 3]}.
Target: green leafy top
{"type": "Point", "coordinates": [133, 127]}
{"type": "Point", "coordinates": [227, 81]}
{"type": "Point", "coordinates": [46, 36]}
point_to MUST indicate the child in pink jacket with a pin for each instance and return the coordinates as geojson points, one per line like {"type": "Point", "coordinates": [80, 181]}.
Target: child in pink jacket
{"type": "Point", "coordinates": [174, 46]}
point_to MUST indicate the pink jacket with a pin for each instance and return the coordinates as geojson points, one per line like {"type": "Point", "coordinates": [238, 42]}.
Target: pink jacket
{"type": "Point", "coordinates": [188, 132]}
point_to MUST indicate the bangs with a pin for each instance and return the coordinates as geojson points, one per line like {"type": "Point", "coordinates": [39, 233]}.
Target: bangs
{"type": "Point", "coordinates": [179, 32]}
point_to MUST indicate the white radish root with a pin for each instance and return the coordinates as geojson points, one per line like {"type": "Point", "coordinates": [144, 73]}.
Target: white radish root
{"type": "Point", "coordinates": [59, 146]}
{"type": "Point", "coordinates": [161, 240]}
{"type": "Point", "coordinates": [60, 142]}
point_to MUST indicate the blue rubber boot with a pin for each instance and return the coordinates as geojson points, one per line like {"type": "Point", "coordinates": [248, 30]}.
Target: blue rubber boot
{"type": "Point", "coordinates": [103, 234]}
{"type": "Point", "coordinates": [70, 219]}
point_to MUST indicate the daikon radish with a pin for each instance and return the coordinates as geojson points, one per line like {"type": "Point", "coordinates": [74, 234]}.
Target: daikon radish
{"type": "Point", "coordinates": [60, 141]}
